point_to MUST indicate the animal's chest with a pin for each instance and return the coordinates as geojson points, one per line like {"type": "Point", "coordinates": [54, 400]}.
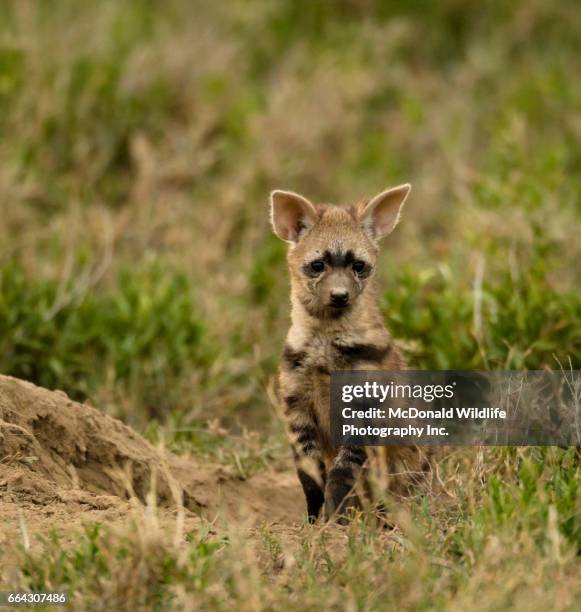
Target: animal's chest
{"type": "Point", "coordinates": [324, 358]}
{"type": "Point", "coordinates": [340, 352]}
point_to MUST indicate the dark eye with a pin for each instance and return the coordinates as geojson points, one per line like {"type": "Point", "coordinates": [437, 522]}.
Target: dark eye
{"type": "Point", "coordinates": [317, 266]}
{"type": "Point", "coordinates": [358, 266]}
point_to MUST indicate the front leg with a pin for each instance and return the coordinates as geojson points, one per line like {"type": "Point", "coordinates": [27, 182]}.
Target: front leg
{"type": "Point", "coordinates": [339, 494]}
{"type": "Point", "coordinates": [306, 445]}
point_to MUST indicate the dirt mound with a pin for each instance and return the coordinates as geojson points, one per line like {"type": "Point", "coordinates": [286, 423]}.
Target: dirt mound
{"type": "Point", "coordinates": [48, 441]}
{"type": "Point", "coordinates": [63, 462]}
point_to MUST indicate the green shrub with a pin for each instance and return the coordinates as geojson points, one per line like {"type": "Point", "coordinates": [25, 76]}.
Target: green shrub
{"type": "Point", "coordinates": [525, 322]}
{"type": "Point", "coordinates": [143, 330]}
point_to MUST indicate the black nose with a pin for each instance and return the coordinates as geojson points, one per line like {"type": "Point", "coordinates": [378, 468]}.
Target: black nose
{"type": "Point", "coordinates": [339, 298]}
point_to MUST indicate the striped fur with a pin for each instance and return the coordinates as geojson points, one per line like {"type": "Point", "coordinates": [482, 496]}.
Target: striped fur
{"type": "Point", "coordinates": [333, 251]}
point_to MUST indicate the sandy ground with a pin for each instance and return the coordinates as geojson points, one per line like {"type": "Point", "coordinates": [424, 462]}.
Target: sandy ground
{"type": "Point", "coordinates": [63, 464]}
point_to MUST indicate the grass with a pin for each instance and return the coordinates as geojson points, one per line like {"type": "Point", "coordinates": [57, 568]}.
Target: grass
{"type": "Point", "coordinates": [145, 329]}
{"type": "Point", "coordinates": [507, 539]}
{"type": "Point", "coordinates": [137, 269]}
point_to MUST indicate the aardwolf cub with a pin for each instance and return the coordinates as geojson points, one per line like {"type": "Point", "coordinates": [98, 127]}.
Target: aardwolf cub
{"type": "Point", "coordinates": [336, 325]}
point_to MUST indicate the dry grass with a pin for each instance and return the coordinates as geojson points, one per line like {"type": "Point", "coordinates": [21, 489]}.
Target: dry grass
{"type": "Point", "coordinates": [138, 144]}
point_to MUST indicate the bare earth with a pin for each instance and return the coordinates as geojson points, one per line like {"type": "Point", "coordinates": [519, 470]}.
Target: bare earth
{"type": "Point", "coordinates": [63, 464]}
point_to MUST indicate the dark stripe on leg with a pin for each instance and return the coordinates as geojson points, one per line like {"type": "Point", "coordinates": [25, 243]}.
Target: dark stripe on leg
{"type": "Point", "coordinates": [307, 439]}
{"type": "Point", "coordinates": [339, 494]}
{"type": "Point", "coordinates": [307, 435]}
{"type": "Point", "coordinates": [314, 493]}
{"type": "Point", "coordinates": [306, 449]}
{"type": "Point", "coordinates": [293, 359]}
{"type": "Point", "coordinates": [355, 455]}
{"type": "Point", "coordinates": [313, 488]}
{"type": "Point", "coordinates": [293, 401]}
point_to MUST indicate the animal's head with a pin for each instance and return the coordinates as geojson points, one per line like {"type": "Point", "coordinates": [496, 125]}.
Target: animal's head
{"type": "Point", "coordinates": [333, 250]}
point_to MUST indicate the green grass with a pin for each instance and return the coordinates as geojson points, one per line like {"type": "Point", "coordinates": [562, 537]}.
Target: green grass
{"type": "Point", "coordinates": [138, 143]}
{"type": "Point", "coordinates": [138, 337]}
{"type": "Point", "coordinates": [510, 532]}
{"type": "Point", "coordinates": [526, 323]}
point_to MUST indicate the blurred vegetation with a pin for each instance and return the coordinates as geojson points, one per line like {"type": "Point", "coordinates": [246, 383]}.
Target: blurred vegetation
{"type": "Point", "coordinates": [503, 546]}
{"type": "Point", "coordinates": [144, 330]}
{"type": "Point", "coordinates": [138, 143]}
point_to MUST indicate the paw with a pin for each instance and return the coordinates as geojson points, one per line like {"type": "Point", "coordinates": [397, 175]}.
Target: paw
{"type": "Point", "coordinates": [339, 500]}
{"type": "Point", "coordinates": [312, 516]}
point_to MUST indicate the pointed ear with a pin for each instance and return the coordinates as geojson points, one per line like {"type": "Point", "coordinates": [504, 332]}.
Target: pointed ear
{"type": "Point", "coordinates": [290, 215]}
{"type": "Point", "coordinates": [381, 214]}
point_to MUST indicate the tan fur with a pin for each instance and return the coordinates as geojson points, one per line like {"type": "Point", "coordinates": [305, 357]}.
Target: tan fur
{"type": "Point", "coordinates": [322, 338]}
